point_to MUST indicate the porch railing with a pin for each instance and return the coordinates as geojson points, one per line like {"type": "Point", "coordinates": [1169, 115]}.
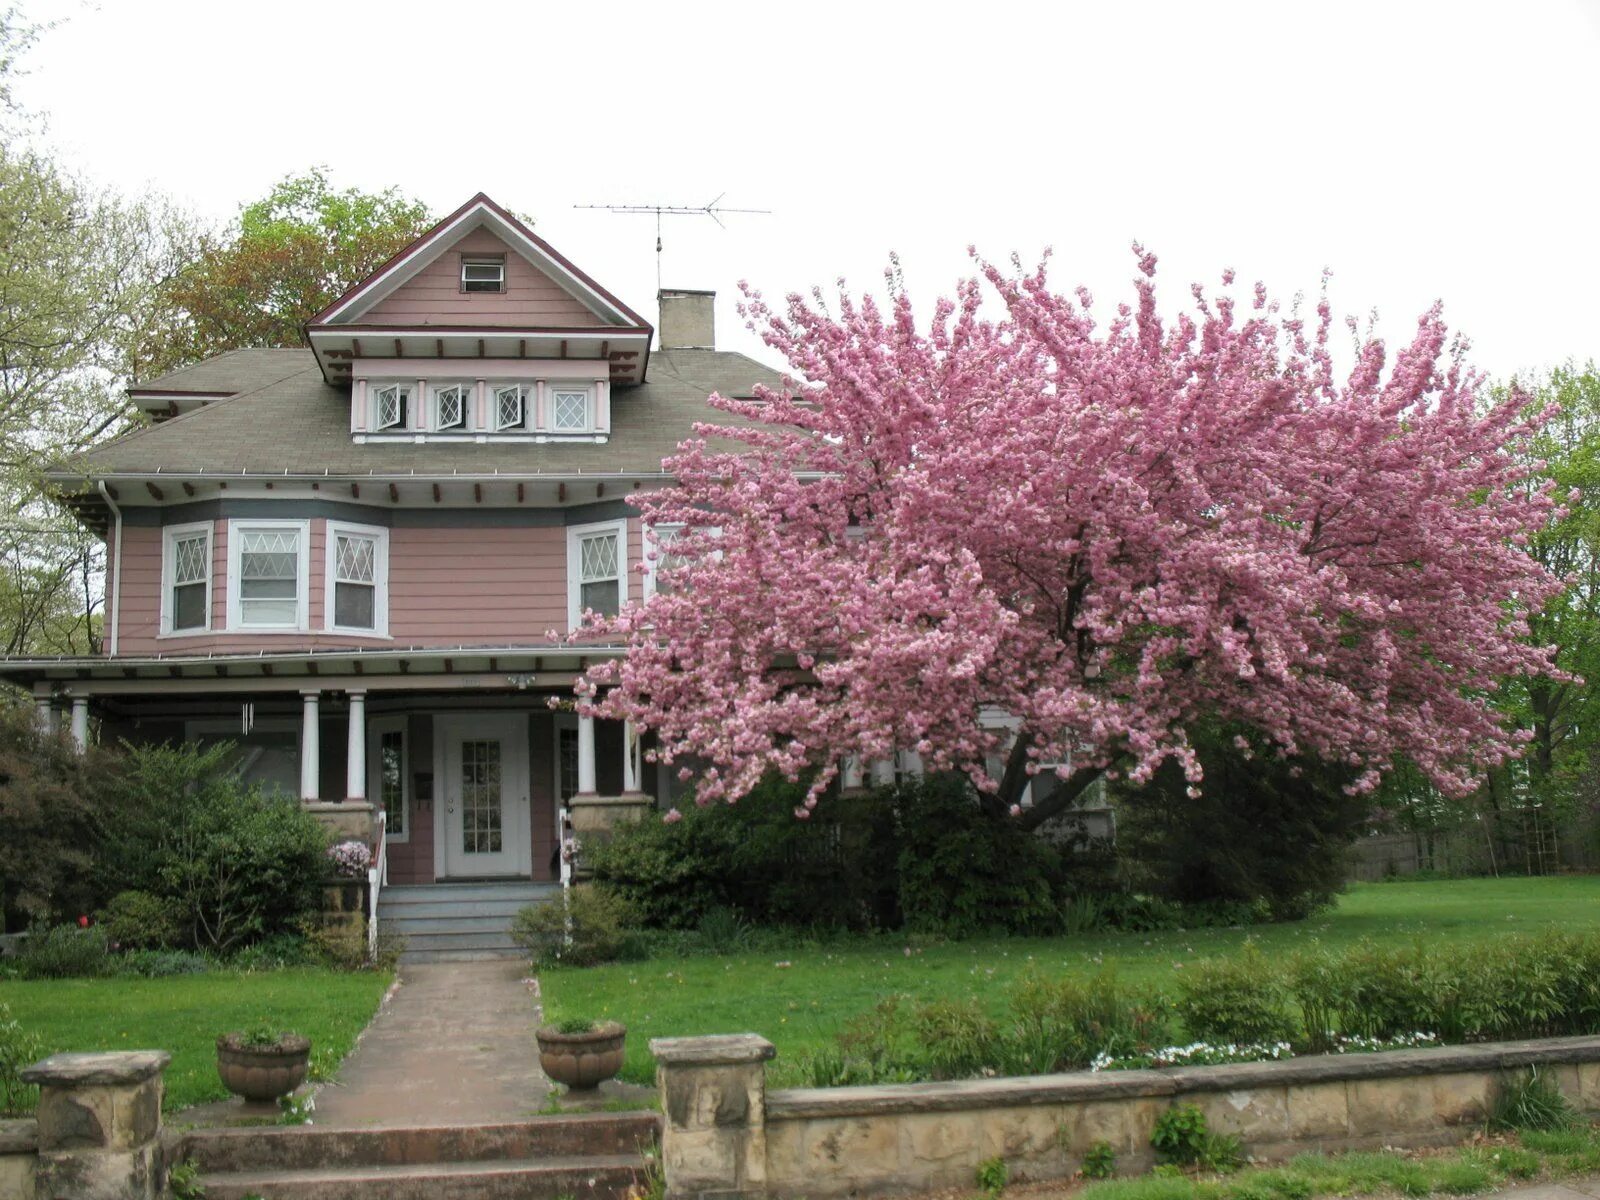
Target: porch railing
{"type": "Point", "coordinates": [377, 877]}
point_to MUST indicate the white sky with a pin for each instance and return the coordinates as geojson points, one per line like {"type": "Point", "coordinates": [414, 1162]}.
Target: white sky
{"type": "Point", "coordinates": [1421, 150]}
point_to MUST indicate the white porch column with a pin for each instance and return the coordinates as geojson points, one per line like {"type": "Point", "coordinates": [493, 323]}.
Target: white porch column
{"type": "Point", "coordinates": [850, 774]}
{"type": "Point", "coordinates": [585, 756]}
{"type": "Point", "coordinates": [80, 723]}
{"type": "Point", "coordinates": [882, 772]}
{"type": "Point", "coordinates": [912, 762]}
{"type": "Point", "coordinates": [355, 785]}
{"type": "Point", "coordinates": [43, 708]}
{"type": "Point", "coordinates": [310, 748]}
{"type": "Point", "coordinates": [630, 758]}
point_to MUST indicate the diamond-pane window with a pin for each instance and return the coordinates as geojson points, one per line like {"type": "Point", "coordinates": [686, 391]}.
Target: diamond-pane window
{"type": "Point", "coordinates": [191, 573]}
{"type": "Point", "coordinates": [355, 581]}
{"type": "Point", "coordinates": [269, 577]}
{"type": "Point", "coordinates": [451, 406]}
{"type": "Point", "coordinates": [508, 407]}
{"type": "Point", "coordinates": [571, 409]}
{"type": "Point", "coordinates": [390, 406]}
{"type": "Point", "coordinates": [599, 579]}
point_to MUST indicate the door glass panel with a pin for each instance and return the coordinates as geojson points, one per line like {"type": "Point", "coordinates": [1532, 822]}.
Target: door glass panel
{"type": "Point", "coordinates": [480, 797]}
{"type": "Point", "coordinates": [568, 751]}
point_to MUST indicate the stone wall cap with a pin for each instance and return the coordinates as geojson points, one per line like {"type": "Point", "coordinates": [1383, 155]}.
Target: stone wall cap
{"type": "Point", "coordinates": [19, 1137]}
{"type": "Point", "coordinates": [1027, 1090]}
{"type": "Point", "coordinates": [626, 800]}
{"type": "Point", "coordinates": [722, 1050]}
{"type": "Point", "coordinates": [97, 1069]}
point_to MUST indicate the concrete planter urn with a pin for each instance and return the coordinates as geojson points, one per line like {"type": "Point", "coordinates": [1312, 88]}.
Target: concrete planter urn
{"type": "Point", "coordinates": [583, 1060]}
{"type": "Point", "coordinates": [262, 1071]}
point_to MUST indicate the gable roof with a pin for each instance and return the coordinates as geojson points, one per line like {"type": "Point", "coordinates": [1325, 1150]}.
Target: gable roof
{"type": "Point", "coordinates": [476, 212]}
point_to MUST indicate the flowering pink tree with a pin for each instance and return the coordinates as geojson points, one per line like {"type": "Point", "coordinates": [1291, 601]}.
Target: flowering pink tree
{"type": "Point", "coordinates": [1108, 533]}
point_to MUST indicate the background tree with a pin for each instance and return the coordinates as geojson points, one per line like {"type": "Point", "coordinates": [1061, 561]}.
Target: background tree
{"type": "Point", "coordinates": [289, 255]}
{"type": "Point", "coordinates": [1112, 534]}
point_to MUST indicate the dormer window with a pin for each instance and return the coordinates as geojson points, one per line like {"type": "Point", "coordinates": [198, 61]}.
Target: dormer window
{"type": "Point", "coordinates": [483, 274]}
{"type": "Point", "coordinates": [569, 409]}
{"type": "Point", "coordinates": [510, 407]}
{"type": "Point", "coordinates": [391, 406]}
{"type": "Point", "coordinates": [450, 406]}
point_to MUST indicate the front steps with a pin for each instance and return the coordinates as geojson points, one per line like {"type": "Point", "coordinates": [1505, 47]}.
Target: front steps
{"type": "Point", "coordinates": [456, 922]}
{"type": "Point", "coordinates": [595, 1156]}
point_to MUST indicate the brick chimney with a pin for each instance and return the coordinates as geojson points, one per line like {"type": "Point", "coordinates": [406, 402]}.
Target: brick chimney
{"type": "Point", "coordinates": [686, 319]}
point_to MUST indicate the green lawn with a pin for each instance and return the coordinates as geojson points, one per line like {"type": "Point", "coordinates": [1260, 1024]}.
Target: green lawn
{"type": "Point", "coordinates": [184, 1015]}
{"type": "Point", "coordinates": [799, 998]}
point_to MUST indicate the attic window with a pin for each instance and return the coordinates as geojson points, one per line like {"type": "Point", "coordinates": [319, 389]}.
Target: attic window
{"type": "Point", "coordinates": [391, 403]}
{"type": "Point", "coordinates": [509, 407]}
{"type": "Point", "coordinates": [483, 274]}
{"type": "Point", "coordinates": [450, 407]}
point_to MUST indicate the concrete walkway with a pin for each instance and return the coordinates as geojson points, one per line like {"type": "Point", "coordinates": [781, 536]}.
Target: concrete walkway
{"type": "Point", "coordinates": [453, 1046]}
{"type": "Point", "coordinates": [1567, 1189]}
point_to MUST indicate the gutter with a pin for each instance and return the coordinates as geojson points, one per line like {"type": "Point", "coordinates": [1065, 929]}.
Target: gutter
{"type": "Point", "coordinates": [116, 552]}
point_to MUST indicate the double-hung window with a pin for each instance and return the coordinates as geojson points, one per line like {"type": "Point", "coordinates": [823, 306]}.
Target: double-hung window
{"type": "Point", "coordinates": [450, 406]}
{"type": "Point", "coordinates": [510, 407]}
{"type": "Point", "coordinates": [186, 579]}
{"type": "Point", "coordinates": [664, 560]}
{"type": "Point", "coordinates": [596, 569]}
{"type": "Point", "coordinates": [357, 579]}
{"type": "Point", "coordinates": [267, 574]}
{"type": "Point", "coordinates": [391, 406]}
{"type": "Point", "coordinates": [569, 410]}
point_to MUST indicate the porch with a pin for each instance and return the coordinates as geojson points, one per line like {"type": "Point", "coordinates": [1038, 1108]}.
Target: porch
{"type": "Point", "coordinates": [472, 756]}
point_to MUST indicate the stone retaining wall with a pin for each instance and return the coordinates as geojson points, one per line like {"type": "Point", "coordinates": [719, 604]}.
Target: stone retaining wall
{"type": "Point", "coordinates": [725, 1133]}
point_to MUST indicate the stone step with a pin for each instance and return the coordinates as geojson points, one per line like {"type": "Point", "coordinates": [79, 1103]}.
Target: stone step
{"type": "Point", "coordinates": [610, 1177]}
{"type": "Point", "coordinates": [315, 1147]}
{"type": "Point", "coordinates": [447, 923]}
{"type": "Point", "coordinates": [425, 893]}
{"type": "Point", "coordinates": [500, 910]}
{"type": "Point", "coordinates": [461, 956]}
{"type": "Point", "coordinates": [491, 940]}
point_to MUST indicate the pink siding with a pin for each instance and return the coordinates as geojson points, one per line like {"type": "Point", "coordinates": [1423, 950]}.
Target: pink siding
{"type": "Point", "coordinates": [434, 295]}
{"type": "Point", "coordinates": [448, 586]}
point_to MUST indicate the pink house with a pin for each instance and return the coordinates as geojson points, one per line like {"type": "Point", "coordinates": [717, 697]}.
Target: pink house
{"type": "Point", "coordinates": [347, 558]}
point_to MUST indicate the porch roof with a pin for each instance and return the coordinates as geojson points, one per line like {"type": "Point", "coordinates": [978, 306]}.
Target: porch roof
{"type": "Point", "coordinates": [388, 668]}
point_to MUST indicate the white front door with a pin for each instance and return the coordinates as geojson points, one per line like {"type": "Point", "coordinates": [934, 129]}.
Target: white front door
{"type": "Point", "coordinates": [484, 794]}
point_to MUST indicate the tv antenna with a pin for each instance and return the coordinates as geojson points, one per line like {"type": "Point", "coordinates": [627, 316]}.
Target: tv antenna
{"type": "Point", "coordinates": [715, 210]}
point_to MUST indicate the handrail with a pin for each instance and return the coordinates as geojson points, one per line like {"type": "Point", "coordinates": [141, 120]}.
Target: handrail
{"type": "Point", "coordinates": [377, 877]}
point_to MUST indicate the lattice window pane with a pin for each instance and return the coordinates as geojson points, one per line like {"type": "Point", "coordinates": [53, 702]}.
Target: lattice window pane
{"type": "Point", "coordinates": [598, 557]}
{"type": "Point", "coordinates": [571, 410]}
{"type": "Point", "coordinates": [452, 406]}
{"type": "Point", "coordinates": [189, 559]}
{"type": "Point", "coordinates": [568, 751]}
{"type": "Point", "coordinates": [391, 406]}
{"type": "Point", "coordinates": [355, 558]}
{"type": "Point", "coordinates": [481, 812]}
{"type": "Point", "coordinates": [508, 403]}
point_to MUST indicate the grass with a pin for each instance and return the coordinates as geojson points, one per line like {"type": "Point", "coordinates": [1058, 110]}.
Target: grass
{"type": "Point", "coordinates": [185, 1014]}
{"type": "Point", "coordinates": [800, 997]}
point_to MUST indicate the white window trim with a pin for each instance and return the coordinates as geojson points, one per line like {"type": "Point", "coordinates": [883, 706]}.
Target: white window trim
{"type": "Point", "coordinates": [380, 578]}
{"type": "Point", "coordinates": [236, 527]}
{"type": "Point", "coordinates": [405, 392]}
{"type": "Point", "coordinates": [575, 536]}
{"type": "Point", "coordinates": [169, 556]}
{"type": "Point", "coordinates": [523, 391]}
{"type": "Point", "coordinates": [376, 728]}
{"type": "Point", "coordinates": [588, 408]}
{"type": "Point", "coordinates": [468, 392]}
{"type": "Point", "coordinates": [470, 260]}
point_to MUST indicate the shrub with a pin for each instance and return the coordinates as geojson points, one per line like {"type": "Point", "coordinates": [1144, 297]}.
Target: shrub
{"type": "Point", "coordinates": [65, 952]}
{"type": "Point", "coordinates": [1181, 1136]}
{"type": "Point", "coordinates": [992, 1176]}
{"type": "Point", "coordinates": [137, 920]}
{"type": "Point", "coordinates": [1532, 1100]}
{"type": "Point", "coordinates": [1099, 1161]}
{"type": "Point", "coordinates": [589, 925]}
{"type": "Point", "coordinates": [1238, 999]}
{"type": "Point", "coordinates": [957, 1037]}
{"type": "Point", "coordinates": [18, 1049]}
{"type": "Point", "coordinates": [236, 863]}
{"type": "Point", "coordinates": [1276, 830]}
{"type": "Point", "coordinates": [273, 953]}
{"type": "Point", "coordinates": [49, 814]}
{"type": "Point", "coordinates": [1065, 1024]}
